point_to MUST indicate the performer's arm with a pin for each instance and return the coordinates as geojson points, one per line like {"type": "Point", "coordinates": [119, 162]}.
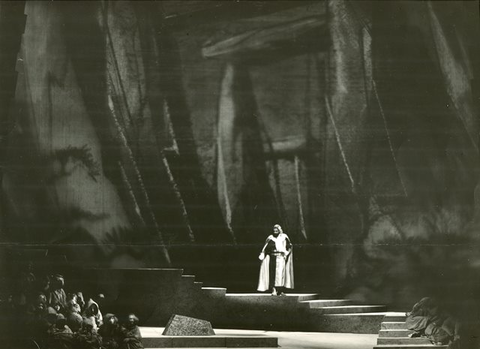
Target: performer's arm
{"type": "Point", "coordinates": [262, 253]}
{"type": "Point", "coordinates": [266, 244]}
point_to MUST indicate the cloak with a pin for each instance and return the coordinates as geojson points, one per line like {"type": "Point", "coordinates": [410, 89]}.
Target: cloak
{"type": "Point", "coordinates": [92, 310]}
{"type": "Point", "coordinates": [263, 280]}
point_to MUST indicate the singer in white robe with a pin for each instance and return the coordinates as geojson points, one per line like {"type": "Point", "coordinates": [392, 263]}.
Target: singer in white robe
{"type": "Point", "coordinates": [276, 269]}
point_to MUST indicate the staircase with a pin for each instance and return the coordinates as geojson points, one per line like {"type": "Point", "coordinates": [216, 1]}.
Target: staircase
{"type": "Point", "coordinates": [295, 311]}
{"type": "Point", "coordinates": [155, 294]}
{"type": "Point", "coordinates": [344, 316]}
{"type": "Point", "coordinates": [395, 335]}
{"type": "Point", "coordinates": [341, 306]}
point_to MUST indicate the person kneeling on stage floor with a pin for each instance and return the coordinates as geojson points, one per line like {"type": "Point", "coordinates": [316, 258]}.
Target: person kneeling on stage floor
{"type": "Point", "coordinates": [429, 319]}
{"type": "Point", "coordinates": [276, 269]}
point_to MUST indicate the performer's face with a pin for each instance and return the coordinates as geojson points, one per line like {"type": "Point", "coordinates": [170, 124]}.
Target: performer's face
{"type": "Point", "coordinates": [276, 231]}
{"type": "Point", "coordinates": [131, 320]}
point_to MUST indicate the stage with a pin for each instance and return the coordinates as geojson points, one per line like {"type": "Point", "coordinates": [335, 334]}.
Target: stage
{"type": "Point", "coordinates": [286, 340]}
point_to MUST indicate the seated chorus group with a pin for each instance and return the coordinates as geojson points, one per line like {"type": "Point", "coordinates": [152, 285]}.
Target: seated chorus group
{"type": "Point", "coordinates": [54, 319]}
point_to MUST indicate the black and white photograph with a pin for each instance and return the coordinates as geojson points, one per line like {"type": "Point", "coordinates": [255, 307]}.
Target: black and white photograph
{"type": "Point", "coordinates": [240, 174]}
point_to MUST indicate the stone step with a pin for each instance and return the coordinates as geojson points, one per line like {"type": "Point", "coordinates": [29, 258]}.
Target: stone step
{"type": "Point", "coordinates": [303, 296]}
{"type": "Point", "coordinates": [299, 297]}
{"type": "Point", "coordinates": [410, 346]}
{"type": "Point", "coordinates": [152, 337]}
{"type": "Point", "coordinates": [350, 309]}
{"type": "Point", "coordinates": [198, 284]}
{"type": "Point", "coordinates": [214, 291]}
{"type": "Point", "coordinates": [187, 281]}
{"type": "Point", "coordinates": [395, 333]}
{"type": "Point", "coordinates": [188, 277]}
{"type": "Point", "coordinates": [347, 323]}
{"type": "Point", "coordinates": [210, 342]}
{"type": "Point", "coordinates": [395, 317]}
{"type": "Point", "coordinates": [403, 340]}
{"type": "Point", "coordinates": [319, 303]}
{"type": "Point", "coordinates": [394, 325]}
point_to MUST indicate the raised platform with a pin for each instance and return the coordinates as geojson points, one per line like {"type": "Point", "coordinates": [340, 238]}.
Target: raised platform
{"type": "Point", "coordinates": [255, 297]}
{"type": "Point", "coordinates": [157, 294]}
{"type": "Point", "coordinates": [301, 312]}
{"type": "Point", "coordinates": [153, 338]}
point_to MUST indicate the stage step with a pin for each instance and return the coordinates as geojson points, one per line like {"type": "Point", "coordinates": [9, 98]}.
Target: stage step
{"type": "Point", "coordinates": [351, 309]}
{"type": "Point", "coordinates": [410, 346]}
{"type": "Point", "coordinates": [153, 338]}
{"type": "Point", "coordinates": [367, 323]}
{"type": "Point", "coordinates": [299, 297]}
{"type": "Point", "coordinates": [188, 278]}
{"type": "Point", "coordinates": [210, 342]}
{"type": "Point", "coordinates": [300, 312]}
{"type": "Point", "coordinates": [214, 291]}
{"type": "Point", "coordinates": [395, 317]}
{"type": "Point", "coordinates": [320, 303]}
{"type": "Point", "coordinates": [187, 282]}
{"type": "Point", "coordinates": [394, 325]}
{"type": "Point", "coordinates": [395, 333]}
{"type": "Point", "coordinates": [403, 340]}
{"type": "Point", "coordinates": [165, 291]}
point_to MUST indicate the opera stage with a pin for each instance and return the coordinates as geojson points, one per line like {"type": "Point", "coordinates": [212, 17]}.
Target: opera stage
{"type": "Point", "coordinates": [286, 340]}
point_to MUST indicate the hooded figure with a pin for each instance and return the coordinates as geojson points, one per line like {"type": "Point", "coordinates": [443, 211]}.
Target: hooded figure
{"type": "Point", "coordinates": [92, 311]}
{"type": "Point", "coordinates": [87, 337]}
{"type": "Point", "coordinates": [110, 332]}
{"type": "Point", "coordinates": [131, 337]}
{"type": "Point", "coordinates": [276, 269]}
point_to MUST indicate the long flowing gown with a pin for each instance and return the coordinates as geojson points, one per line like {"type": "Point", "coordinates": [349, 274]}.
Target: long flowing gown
{"type": "Point", "coordinates": [276, 269]}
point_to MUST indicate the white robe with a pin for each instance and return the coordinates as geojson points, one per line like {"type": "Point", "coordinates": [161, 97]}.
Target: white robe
{"type": "Point", "coordinates": [284, 271]}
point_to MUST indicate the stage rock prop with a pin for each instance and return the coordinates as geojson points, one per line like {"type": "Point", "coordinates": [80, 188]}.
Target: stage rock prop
{"type": "Point", "coordinates": [179, 325]}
